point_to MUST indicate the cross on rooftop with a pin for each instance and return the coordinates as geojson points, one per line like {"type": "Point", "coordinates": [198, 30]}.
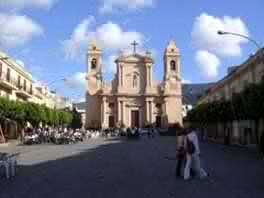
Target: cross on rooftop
{"type": "Point", "coordinates": [134, 44]}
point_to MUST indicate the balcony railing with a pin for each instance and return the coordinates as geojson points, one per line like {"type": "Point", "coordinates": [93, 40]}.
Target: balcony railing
{"type": "Point", "coordinates": [8, 80]}
{"type": "Point", "coordinates": [13, 83]}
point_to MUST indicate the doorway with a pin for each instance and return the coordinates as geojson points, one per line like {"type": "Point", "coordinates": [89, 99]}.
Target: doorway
{"type": "Point", "coordinates": [158, 121]}
{"type": "Point", "coordinates": [111, 122]}
{"type": "Point", "coordinates": [135, 118]}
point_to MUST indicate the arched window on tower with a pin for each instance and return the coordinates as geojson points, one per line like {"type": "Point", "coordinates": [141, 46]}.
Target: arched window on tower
{"type": "Point", "coordinates": [94, 63]}
{"type": "Point", "coordinates": [173, 65]}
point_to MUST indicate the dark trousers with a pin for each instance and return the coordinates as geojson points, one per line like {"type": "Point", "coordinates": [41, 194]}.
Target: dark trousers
{"type": "Point", "coordinates": [179, 166]}
{"type": "Point", "coordinates": [180, 162]}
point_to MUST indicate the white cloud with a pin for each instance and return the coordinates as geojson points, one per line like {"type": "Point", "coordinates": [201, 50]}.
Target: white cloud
{"type": "Point", "coordinates": [17, 30]}
{"type": "Point", "coordinates": [76, 81]}
{"type": "Point", "coordinates": [79, 38]}
{"type": "Point", "coordinates": [78, 99]}
{"type": "Point", "coordinates": [21, 63]}
{"type": "Point", "coordinates": [109, 35]}
{"type": "Point", "coordinates": [205, 37]}
{"type": "Point", "coordinates": [185, 81]}
{"type": "Point", "coordinates": [208, 64]}
{"type": "Point", "coordinates": [109, 6]}
{"type": "Point", "coordinates": [19, 4]}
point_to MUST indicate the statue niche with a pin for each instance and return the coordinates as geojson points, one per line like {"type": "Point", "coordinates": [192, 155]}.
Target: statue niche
{"type": "Point", "coordinates": [135, 80]}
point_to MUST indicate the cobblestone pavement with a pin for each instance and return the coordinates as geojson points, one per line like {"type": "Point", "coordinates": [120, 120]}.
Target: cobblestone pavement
{"type": "Point", "coordinates": [123, 169]}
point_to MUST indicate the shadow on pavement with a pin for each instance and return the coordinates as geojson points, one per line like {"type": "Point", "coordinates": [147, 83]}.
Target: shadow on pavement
{"type": "Point", "coordinates": [120, 168]}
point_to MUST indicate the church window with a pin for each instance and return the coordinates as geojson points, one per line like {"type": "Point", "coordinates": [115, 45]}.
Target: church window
{"type": "Point", "coordinates": [173, 65]}
{"type": "Point", "coordinates": [158, 105]}
{"type": "Point", "coordinates": [111, 105]}
{"type": "Point", "coordinates": [172, 50]}
{"type": "Point", "coordinates": [93, 63]}
{"type": "Point", "coordinates": [135, 81]}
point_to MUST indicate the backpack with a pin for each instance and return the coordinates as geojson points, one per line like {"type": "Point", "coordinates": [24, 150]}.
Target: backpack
{"type": "Point", "coordinates": [190, 147]}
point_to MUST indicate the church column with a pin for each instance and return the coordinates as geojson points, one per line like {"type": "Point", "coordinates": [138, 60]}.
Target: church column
{"type": "Point", "coordinates": [104, 121]}
{"type": "Point", "coordinates": [102, 114]}
{"type": "Point", "coordinates": [119, 111]}
{"type": "Point", "coordinates": [150, 77]}
{"type": "Point", "coordinates": [122, 112]}
{"type": "Point", "coordinates": [151, 111]}
{"type": "Point", "coordinates": [165, 113]}
{"type": "Point", "coordinates": [122, 78]}
{"type": "Point", "coordinates": [147, 76]}
{"type": "Point", "coordinates": [119, 75]}
{"type": "Point", "coordinates": [147, 111]}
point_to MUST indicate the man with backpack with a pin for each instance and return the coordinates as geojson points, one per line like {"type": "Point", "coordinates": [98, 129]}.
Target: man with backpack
{"type": "Point", "coordinates": [191, 145]}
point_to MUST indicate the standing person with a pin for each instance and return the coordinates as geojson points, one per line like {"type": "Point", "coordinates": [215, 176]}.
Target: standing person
{"type": "Point", "coordinates": [262, 144]}
{"type": "Point", "coordinates": [191, 145]}
{"type": "Point", "coordinates": [180, 152]}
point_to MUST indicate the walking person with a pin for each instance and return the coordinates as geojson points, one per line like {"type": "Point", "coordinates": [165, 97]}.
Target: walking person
{"type": "Point", "coordinates": [191, 145]}
{"type": "Point", "coordinates": [180, 153]}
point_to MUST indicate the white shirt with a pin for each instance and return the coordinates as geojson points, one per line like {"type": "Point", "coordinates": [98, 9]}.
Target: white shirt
{"type": "Point", "coordinates": [194, 139]}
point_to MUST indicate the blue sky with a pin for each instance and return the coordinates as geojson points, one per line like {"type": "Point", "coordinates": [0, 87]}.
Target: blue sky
{"type": "Point", "coordinates": [40, 33]}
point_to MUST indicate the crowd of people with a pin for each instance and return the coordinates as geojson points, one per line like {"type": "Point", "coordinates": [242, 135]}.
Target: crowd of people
{"type": "Point", "coordinates": [56, 135]}
{"type": "Point", "coordinates": [129, 132]}
{"type": "Point", "coordinates": [188, 155]}
{"type": "Point", "coordinates": [69, 136]}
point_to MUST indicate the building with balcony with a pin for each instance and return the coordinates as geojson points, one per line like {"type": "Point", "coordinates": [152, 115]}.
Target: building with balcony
{"type": "Point", "coordinates": [15, 82]}
{"type": "Point", "coordinates": [236, 80]}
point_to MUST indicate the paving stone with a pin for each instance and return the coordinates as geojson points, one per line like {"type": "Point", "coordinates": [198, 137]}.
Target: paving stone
{"type": "Point", "coordinates": [120, 168]}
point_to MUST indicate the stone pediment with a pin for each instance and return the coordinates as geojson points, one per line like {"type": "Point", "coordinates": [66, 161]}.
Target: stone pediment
{"type": "Point", "coordinates": [134, 58]}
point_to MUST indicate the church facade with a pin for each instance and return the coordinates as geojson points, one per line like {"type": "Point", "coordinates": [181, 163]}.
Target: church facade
{"type": "Point", "coordinates": [133, 98]}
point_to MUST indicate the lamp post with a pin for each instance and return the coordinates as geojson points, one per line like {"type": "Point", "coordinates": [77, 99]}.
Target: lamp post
{"type": "Point", "coordinates": [220, 32]}
{"type": "Point", "coordinates": [259, 47]}
{"type": "Point", "coordinates": [54, 81]}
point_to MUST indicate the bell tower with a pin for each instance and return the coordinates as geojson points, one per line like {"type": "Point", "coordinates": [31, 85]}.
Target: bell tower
{"type": "Point", "coordinates": [172, 90]}
{"type": "Point", "coordinates": [94, 81]}
{"type": "Point", "coordinates": [171, 62]}
{"type": "Point", "coordinates": [94, 73]}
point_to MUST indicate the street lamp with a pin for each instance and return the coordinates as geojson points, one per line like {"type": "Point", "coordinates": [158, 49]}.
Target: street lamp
{"type": "Point", "coordinates": [220, 32]}
{"type": "Point", "coordinates": [54, 81]}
